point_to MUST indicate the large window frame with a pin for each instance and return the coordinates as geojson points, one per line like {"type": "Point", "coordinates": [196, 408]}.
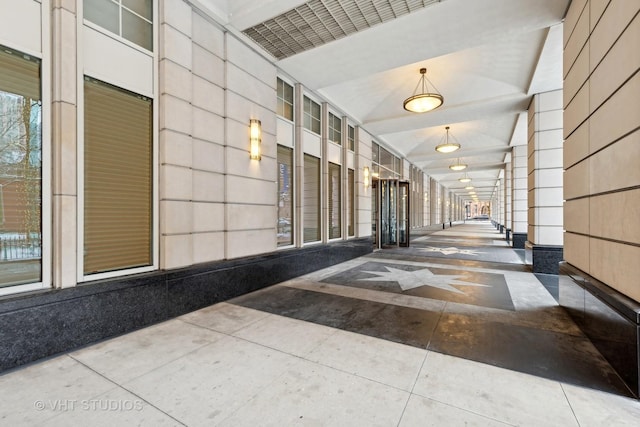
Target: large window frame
{"type": "Point", "coordinates": [312, 183]}
{"type": "Point", "coordinates": [43, 58]}
{"type": "Point", "coordinates": [125, 10]}
{"type": "Point", "coordinates": [285, 97]}
{"type": "Point", "coordinates": [334, 201]}
{"type": "Point", "coordinates": [286, 192]}
{"type": "Point", "coordinates": [311, 115]}
{"type": "Point", "coordinates": [335, 129]}
{"type": "Point", "coordinates": [351, 138]}
{"type": "Point", "coordinates": [154, 230]}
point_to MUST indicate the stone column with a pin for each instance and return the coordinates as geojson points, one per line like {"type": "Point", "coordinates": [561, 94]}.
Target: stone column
{"type": "Point", "coordinates": [544, 150]}
{"type": "Point", "coordinates": [519, 196]}
{"type": "Point", "coordinates": [298, 154]}
{"type": "Point", "coordinates": [433, 202]}
{"type": "Point", "coordinates": [176, 135]}
{"type": "Point", "coordinates": [344, 178]}
{"type": "Point", "coordinates": [507, 198]}
{"type": "Point", "coordinates": [64, 141]}
{"type": "Point", "coordinates": [364, 194]}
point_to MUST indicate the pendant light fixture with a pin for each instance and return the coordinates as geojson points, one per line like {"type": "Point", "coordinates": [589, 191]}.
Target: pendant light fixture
{"type": "Point", "coordinates": [458, 166]}
{"type": "Point", "coordinates": [465, 178]}
{"type": "Point", "coordinates": [425, 100]}
{"type": "Point", "coordinates": [447, 146]}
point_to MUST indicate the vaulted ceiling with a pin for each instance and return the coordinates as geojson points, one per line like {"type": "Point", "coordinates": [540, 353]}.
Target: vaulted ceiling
{"type": "Point", "coordinates": [486, 57]}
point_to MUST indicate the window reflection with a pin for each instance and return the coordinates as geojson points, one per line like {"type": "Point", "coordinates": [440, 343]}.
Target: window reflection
{"type": "Point", "coordinates": [20, 169]}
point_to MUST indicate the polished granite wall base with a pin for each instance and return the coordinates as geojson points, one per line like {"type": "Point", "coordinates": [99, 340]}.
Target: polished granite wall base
{"type": "Point", "coordinates": [608, 318]}
{"type": "Point", "coordinates": [507, 236]}
{"type": "Point", "coordinates": [41, 324]}
{"type": "Point", "coordinates": [544, 259]}
{"type": "Point", "coordinates": [518, 240]}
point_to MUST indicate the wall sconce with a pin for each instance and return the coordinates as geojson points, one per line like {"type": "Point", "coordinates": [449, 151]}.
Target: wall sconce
{"type": "Point", "coordinates": [365, 172]}
{"type": "Point", "coordinates": [255, 138]}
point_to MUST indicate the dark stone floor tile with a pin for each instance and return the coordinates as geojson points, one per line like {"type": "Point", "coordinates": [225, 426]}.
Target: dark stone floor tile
{"type": "Point", "coordinates": [399, 255]}
{"type": "Point", "coordinates": [299, 304]}
{"type": "Point", "coordinates": [552, 355]}
{"type": "Point", "coordinates": [403, 325]}
{"type": "Point", "coordinates": [493, 292]}
{"type": "Point", "coordinates": [448, 250]}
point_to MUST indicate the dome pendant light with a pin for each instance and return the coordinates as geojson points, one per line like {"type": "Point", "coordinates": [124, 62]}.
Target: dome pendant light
{"type": "Point", "coordinates": [447, 147]}
{"type": "Point", "coordinates": [458, 166]}
{"type": "Point", "coordinates": [465, 178]}
{"type": "Point", "coordinates": [425, 100]}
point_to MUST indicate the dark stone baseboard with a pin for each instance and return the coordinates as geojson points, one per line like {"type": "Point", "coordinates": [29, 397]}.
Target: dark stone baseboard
{"type": "Point", "coordinates": [44, 323]}
{"type": "Point", "coordinates": [507, 234]}
{"type": "Point", "coordinates": [610, 320]}
{"type": "Point", "coordinates": [519, 240]}
{"type": "Point", "coordinates": [545, 259]}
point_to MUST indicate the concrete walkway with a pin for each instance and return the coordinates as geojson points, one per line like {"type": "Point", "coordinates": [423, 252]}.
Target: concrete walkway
{"type": "Point", "coordinates": [451, 331]}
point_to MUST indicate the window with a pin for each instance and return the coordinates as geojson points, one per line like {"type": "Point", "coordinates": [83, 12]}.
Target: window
{"type": "Point", "coordinates": [375, 149]}
{"type": "Point", "coordinates": [285, 100]}
{"type": "Point", "coordinates": [311, 198]}
{"type": "Point", "coordinates": [311, 115]}
{"type": "Point", "coordinates": [130, 19]}
{"type": "Point", "coordinates": [335, 129]}
{"type": "Point", "coordinates": [352, 138]}
{"type": "Point", "coordinates": [20, 169]}
{"type": "Point", "coordinates": [117, 179]}
{"type": "Point", "coordinates": [335, 213]}
{"type": "Point", "coordinates": [285, 196]}
{"type": "Point", "coordinates": [387, 160]}
{"type": "Point", "coordinates": [351, 216]}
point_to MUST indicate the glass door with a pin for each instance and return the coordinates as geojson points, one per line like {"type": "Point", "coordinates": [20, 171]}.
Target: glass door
{"type": "Point", "coordinates": [403, 214]}
{"type": "Point", "coordinates": [390, 213]}
{"type": "Point", "coordinates": [374, 213]}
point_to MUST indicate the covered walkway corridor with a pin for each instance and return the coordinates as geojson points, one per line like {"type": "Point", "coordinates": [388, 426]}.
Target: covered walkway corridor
{"type": "Point", "coordinates": [454, 330]}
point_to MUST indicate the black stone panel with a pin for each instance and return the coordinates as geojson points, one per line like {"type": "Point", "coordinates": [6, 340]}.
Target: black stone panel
{"type": "Point", "coordinates": [546, 259]}
{"type": "Point", "coordinates": [615, 337]}
{"type": "Point", "coordinates": [519, 240]}
{"type": "Point", "coordinates": [507, 234]}
{"type": "Point", "coordinates": [66, 319]}
{"type": "Point", "coordinates": [44, 323]}
{"type": "Point", "coordinates": [404, 325]}
{"type": "Point", "coordinates": [571, 297]}
{"type": "Point", "coordinates": [200, 287]}
{"type": "Point", "coordinates": [539, 352]}
{"type": "Point", "coordinates": [608, 318]}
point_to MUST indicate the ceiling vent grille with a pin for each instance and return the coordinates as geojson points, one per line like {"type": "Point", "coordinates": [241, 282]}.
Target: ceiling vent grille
{"type": "Point", "coordinates": [321, 21]}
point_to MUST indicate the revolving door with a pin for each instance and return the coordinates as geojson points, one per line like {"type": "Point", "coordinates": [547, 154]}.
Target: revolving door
{"type": "Point", "coordinates": [390, 213]}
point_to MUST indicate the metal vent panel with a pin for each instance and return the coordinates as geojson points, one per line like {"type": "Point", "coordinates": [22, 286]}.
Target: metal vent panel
{"type": "Point", "coordinates": [321, 21]}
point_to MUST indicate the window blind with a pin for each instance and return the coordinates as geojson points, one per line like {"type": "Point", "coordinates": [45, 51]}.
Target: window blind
{"type": "Point", "coordinates": [117, 179]}
{"type": "Point", "coordinates": [285, 196]}
{"type": "Point", "coordinates": [335, 220]}
{"type": "Point", "coordinates": [311, 198]}
{"type": "Point", "coordinates": [19, 74]}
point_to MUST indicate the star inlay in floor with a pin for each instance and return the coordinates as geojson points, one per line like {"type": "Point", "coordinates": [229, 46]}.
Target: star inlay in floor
{"type": "Point", "coordinates": [418, 278]}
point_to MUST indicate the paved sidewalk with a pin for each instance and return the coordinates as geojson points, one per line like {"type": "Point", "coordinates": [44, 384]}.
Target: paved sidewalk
{"type": "Point", "coordinates": [454, 330]}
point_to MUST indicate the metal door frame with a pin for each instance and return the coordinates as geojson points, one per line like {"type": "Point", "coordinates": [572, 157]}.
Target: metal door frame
{"type": "Point", "coordinates": [376, 187]}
